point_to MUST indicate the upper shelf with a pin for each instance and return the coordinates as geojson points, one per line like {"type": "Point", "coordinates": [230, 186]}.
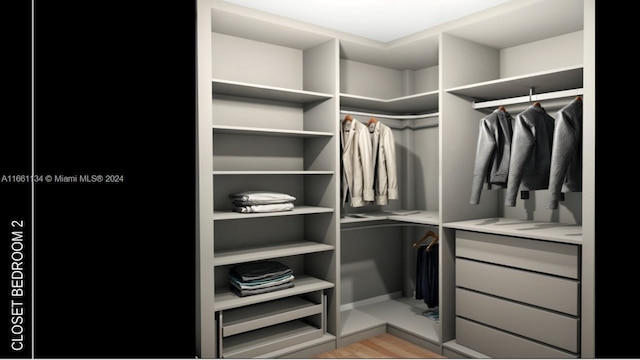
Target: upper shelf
{"type": "Point", "coordinates": [541, 82]}
{"type": "Point", "coordinates": [297, 210]}
{"type": "Point", "coordinates": [236, 88]}
{"type": "Point", "coordinates": [405, 216]}
{"type": "Point", "coordinates": [227, 257]}
{"type": "Point", "coordinates": [538, 230]}
{"type": "Point", "coordinates": [418, 103]}
{"type": "Point", "coordinates": [242, 130]}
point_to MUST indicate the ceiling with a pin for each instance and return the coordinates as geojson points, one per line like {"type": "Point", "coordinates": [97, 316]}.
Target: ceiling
{"type": "Point", "coordinates": [413, 49]}
{"type": "Point", "coordinates": [380, 20]}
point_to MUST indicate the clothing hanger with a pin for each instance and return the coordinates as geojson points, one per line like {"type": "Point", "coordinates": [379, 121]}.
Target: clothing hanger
{"type": "Point", "coordinates": [372, 121]}
{"type": "Point", "coordinates": [347, 118]}
{"type": "Point", "coordinates": [578, 98]}
{"type": "Point", "coordinates": [537, 104]}
{"type": "Point", "coordinates": [426, 235]}
{"type": "Point", "coordinates": [433, 242]}
{"type": "Point", "coordinates": [501, 108]}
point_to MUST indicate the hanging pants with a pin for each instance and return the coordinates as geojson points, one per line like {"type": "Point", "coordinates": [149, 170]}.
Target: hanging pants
{"type": "Point", "coordinates": [427, 275]}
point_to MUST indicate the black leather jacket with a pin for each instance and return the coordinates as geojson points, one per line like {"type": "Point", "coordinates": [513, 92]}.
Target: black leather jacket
{"type": "Point", "coordinates": [531, 152]}
{"type": "Point", "coordinates": [492, 153]}
{"type": "Point", "coordinates": [566, 156]}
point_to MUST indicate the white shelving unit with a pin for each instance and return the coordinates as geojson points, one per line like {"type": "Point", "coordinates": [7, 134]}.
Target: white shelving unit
{"type": "Point", "coordinates": [416, 103]}
{"type": "Point", "coordinates": [264, 124]}
{"type": "Point", "coordinates": [530, 229]}
{"type": "Point", "coordinates": [253, 253]}
{"type": "Point", "coordinates": [405, 98]}
{"type": "Point", "coordinates": [239, 130]}
{"type": "Point", "coordinates": [298, 210]}
{"type": "Point", "coordinates": [565, 78]}
{"type": "Point", "coordinates": [225, 299]}
{"type": "Point", "coordinates": [507, 73]}
{"type": "Point", "coordinates": [271, 96]}
{"type": "Point", "coordinates": [235, 88]}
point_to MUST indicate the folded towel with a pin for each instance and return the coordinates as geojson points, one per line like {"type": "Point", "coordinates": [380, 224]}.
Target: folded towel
{"type": "Point", "coordinates": [263, 208]}
{"type": "Point", "coordinates": [260, 198]}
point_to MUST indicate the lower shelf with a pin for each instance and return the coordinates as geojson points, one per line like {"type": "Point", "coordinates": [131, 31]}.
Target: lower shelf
{"type": "Point", "coordinates": [258, 316]}
{"type": "Point", "coordinates": [261, 341]}
{"type": "Point", "coordinates": [401, 313]}
{"type": "Point", "coordinates": [225, 299]}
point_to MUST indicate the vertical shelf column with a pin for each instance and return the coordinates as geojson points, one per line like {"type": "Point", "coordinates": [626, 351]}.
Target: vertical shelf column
{"type": "Point", "coordinates": [205, 315]}
{"type": "Point", "coordinates": [458, 127]}
{"type": "Point", "coordinates": [587, 320]}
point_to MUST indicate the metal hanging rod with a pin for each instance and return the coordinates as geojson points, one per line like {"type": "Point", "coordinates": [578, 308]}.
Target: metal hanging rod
{"type": "Point", "coordinates": [355, 226]}
{"type": "Point", "coordinates": [403, 125]}
{"type": "Point", "coordinates": [528, 98]}
{"type": "Point", "coordinates": [399, 117]}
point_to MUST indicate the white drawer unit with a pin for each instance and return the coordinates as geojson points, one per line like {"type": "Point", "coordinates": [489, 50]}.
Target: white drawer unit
{"type": "Point", "coordinates": [528, 254]}
{"type": "Point", "coordinates": [535, 289]}
{"type": "Point", "coordinates": [517, 297]}
{"type": "Point", "coordinates": [503, 345]}
{"type": "Point", "coordinates": [550, 327]}
{"type": "Point", "coordinates": [261, 328]}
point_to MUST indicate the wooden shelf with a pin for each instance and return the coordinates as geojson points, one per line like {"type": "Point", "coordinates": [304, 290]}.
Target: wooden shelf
{"type": "Point", "coordinates": [418, 103]}
{"type": "Point", "coordinates": [541, 82]}
{"type": "Point", "coordinates": [228, 257]}
{"type": "Point", "coordinates": [242, 130]}
{"type": "Point", "coordinates": [297, 210]}
{"type": "Point", "coordinates": [235, 88]}
{"type": "Point", "coordinates": [537, 230]}
{"type": "Point", "coordinates": [225, 299]}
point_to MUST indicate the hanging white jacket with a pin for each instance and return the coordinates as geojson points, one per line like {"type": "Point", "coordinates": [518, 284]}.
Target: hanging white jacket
{"type": "Point", "coordinates": [357, 164]}
{"type": "Point", "coordinates": [385, 183]}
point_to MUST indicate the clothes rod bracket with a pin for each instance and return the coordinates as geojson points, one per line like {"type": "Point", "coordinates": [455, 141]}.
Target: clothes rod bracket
{"type": "Point", "coordinates": [531, 93]}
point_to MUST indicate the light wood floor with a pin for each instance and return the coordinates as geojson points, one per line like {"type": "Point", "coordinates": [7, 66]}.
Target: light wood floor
{"type": "Point", "coordinates": [378, 347]}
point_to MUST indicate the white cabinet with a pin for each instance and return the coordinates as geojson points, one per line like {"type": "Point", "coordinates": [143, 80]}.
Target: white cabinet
{"type": "Point", "coordinates": [271, 326]}
{"type": "Point", "coordinates": [265, 111]}
{"type": "Point", "coordinates": [550, 62]}
{"type": "Point", "coordinates": [271, 96]}
{"type": "Point", "coordinates": [401, 92]}
{"type": "Point", "coordinates": [517, 290]}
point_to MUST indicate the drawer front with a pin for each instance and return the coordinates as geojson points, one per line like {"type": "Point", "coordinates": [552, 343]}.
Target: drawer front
{"type": "Point", "coordinates": [536, 289]}
{"type": "Point", "coordinates": [541, 325]}
{"type": "Point", "coordinates": [499, 344]}
{"type": "Point", "coordinates": [536, 255]}
{"type": "Point", "coordinates": [271, 319]}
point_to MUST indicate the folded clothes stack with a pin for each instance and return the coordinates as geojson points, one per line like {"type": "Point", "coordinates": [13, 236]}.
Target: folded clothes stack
{"type": "Point", "coordinates": [261, 201]}
{"type": "Point", "coordinates": [260, 277]}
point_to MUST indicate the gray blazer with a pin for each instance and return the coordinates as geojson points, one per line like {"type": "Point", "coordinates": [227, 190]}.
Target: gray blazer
{"type": "Point", "coordinates": [531, 152]}
{"type": "Point", "coordinates": [566, 156]}
{"type": "Point", "coordinates": [492, 153]}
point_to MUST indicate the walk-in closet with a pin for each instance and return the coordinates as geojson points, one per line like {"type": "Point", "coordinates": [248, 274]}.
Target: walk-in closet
{"type": "Point", "coordinates": [396, 244]}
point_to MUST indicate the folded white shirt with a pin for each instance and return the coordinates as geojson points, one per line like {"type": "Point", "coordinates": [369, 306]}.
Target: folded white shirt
{"type": "Point", "coordinates": [260, 198]}
{"type": "Point", "coordinates": [263, 208]}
